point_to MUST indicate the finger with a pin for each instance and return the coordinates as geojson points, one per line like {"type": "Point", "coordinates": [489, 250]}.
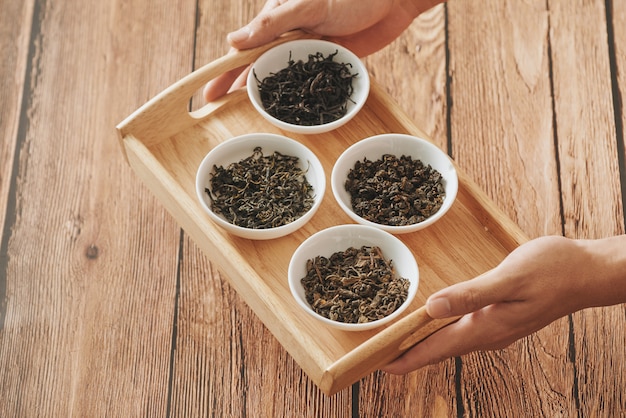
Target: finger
{"type": "Point", "coordinates": [472, 295]}
{"type": "Point", "coordinates": [438, 347]}
{"type": "Point", "coordinates": [222, 84]}
{"type": "Point", "coordinates": [241, 80]}
{"type": "Point", "coordinates": [421, 355]}
{"type": "Point", "coordinates": [478, 331]}
{"type": "Point", "coordinates": [276, 19]}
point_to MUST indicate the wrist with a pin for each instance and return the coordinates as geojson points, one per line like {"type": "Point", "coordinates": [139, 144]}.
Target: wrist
{"type": "Point", "coordinates": [605, 281]}
{"type": "Point", "coordinates": [416, 7]}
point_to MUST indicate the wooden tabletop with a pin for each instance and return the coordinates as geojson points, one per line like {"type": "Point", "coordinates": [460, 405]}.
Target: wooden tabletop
{"type": "Point", "coordinates": [107, 307]}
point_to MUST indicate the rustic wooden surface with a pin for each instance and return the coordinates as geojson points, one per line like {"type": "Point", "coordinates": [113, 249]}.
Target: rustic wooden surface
{"type": "Point", "coordinates": [108, 308]}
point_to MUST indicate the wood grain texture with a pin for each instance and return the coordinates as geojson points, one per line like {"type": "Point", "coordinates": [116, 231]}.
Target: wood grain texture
{"type": "Point", "coordinates": [14, 37]}
{"type": "Point", "coordinates": [585, 120]}
{"type": "Point", "coordinates": [90, 287]}
{"type": "Point", "coordinates": [109, 309]}
{"type": "Point", "coordinates": [527, 139]}
{"type": "Point", "coordinates": [617, 22]}
{"type": "Point", "coordinates": [413, 69]}
{"type": "Point", "coordinates": [590, 184]}
{"type": "Point", "coordinates": [501, 117]}
{"type": "Point", "coordinates": [500, 64]}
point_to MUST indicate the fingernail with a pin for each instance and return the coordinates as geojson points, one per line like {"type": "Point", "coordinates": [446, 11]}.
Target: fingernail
{"type": "Point", "coordinates": [438, 308]}
{"type": "Point", "coordinates": [240, 35]}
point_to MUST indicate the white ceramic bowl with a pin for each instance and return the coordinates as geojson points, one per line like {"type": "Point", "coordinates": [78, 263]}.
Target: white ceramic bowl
{"type": "Point", "coordinates": [278, 57]}
{"type": "Point", "coordinates": [339, 238]}
{"type": "Point", "coordinates": [373, 149]}
{"type": "Point", "coordinates": [236, 149]}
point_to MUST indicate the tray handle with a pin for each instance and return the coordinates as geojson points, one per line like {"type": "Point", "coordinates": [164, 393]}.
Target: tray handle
{"type": "Point", "coordinates": [381, 349]}
{"type": "Point", "coordinates": [167, 113]}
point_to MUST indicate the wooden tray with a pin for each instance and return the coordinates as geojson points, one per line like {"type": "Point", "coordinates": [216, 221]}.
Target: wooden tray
{"type": "Point", "coordinates": [164, 144]}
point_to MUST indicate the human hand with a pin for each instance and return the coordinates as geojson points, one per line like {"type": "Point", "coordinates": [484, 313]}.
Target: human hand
{"type": "Point", "coordinates": [363, 26]}
{"type": "Point", "coordinates": [539, 282]}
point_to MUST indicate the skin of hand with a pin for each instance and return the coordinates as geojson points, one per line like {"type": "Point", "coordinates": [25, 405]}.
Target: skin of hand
{"type": "Point", "coordinates": [539, 282]}
{"type": "Point", "coordinates": [363, 26]}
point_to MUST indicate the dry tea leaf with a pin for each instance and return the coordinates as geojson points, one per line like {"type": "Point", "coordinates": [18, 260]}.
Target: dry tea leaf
{"type": "Point", "coordinates": [261, 192]}
{"type": "Point", "coordinates": [354, 286]}
{"type": "Point", "coordinates": [308, 93]}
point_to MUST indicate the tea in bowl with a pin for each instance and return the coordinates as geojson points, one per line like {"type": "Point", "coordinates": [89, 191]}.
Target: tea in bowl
{"type": "Point", "coordinates": [308, 86]}
{"type": "Point", "coordinates": [396, 182]}
{"type": "Point", "coordinates": [260, 186]}
{"type": "Point", "coordinates": [353, 277]}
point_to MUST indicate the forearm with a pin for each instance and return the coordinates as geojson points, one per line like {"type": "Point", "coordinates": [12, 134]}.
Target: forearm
{"type": "Point", "coordinates": [605, 283]}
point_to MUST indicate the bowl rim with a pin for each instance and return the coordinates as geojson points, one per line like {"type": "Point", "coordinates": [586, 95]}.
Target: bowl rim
{"type": "Point", "coordinates": [204, 170]}
{"type": "Point", "coordinates": [362, 90]}
{"type": "Point", "coordinates": [450, 176]}
{"type": "Point", "coordinates": [344, 231]}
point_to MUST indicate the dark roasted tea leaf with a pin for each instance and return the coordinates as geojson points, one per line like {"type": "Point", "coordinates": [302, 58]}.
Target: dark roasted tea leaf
{"type": "Point", "coordinates": [308, 93]}
{"type": "Point", "coordinates": [395, 191]}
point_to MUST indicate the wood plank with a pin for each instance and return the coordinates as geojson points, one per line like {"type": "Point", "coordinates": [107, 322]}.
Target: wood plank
{"type": "Point", "coordinates": [590, 178]}
{"type": "Point", "coordinates": [585, 120]}
{"type": "Point", "coordinates": [502, 134]}
{"type": "Point", "coordinates": [617, 24]}
{"type": "Point", "coordinates": [92, 256]}
{"type": "Point", "coordinates": [413, 71]}
{"type": "Point", "coordinates": [501, 114]}
{"type": "Point", "coordinates": [90, 259]}
{"type": "Point", "coordinates": [15, 24]}
{"type": "Point", "coordinates": [252, 364]}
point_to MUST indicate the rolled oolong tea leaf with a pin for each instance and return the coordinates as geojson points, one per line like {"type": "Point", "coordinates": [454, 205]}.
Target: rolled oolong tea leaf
{"type": "Point", "coordinates": [395, 191]}
{"type": "Point", "coordinates": [260, 191]}
{"type": "Point", "coordinates": [308, 93]}
{"type": "Point", "coordinates": [354, 286]}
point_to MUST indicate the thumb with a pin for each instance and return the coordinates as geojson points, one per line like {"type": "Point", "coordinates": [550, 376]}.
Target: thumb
{"type": "Point", "coordinates": [467, 297]}
{"type": "Point", "coordinates": [274, 20]}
